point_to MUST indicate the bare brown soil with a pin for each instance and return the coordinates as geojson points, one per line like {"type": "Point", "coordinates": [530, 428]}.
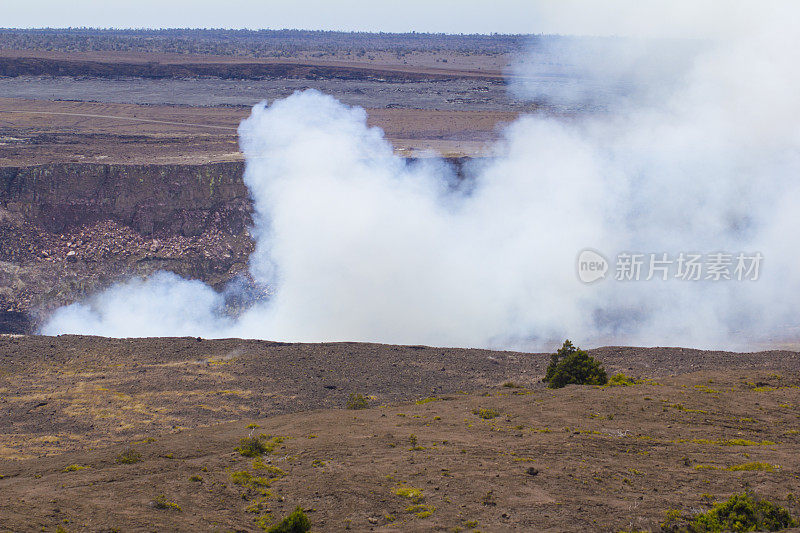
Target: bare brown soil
{"type": "Point", "coordinates": [42, 132]}
{"type": "Point", "coordinates": [575, 459]}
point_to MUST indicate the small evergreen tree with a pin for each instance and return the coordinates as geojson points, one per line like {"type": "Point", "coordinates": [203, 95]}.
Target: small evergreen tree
{"type": "Point", "coordinates": [573, 366]}
{"type": "Point", "coordinates": [297, 522]}
{"type": "Point", "coordinates": [743, 512]}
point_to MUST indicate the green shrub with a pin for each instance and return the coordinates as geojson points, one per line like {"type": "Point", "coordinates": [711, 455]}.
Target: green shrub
{"type": "Point", "coordinates": [357, 401]}
{"type": "Point", "coordinates": [744, 512]}
{"type": "Point", "coordinates": [621, 380]}
{"type": "Point", "coordinates": [258, 446]}
{"type": "Point", "coordinates": [413, 494]}
{"type": "Point", "coordinates": [429, 399]}
{"type": "Point", "coordinates": [246, 479]}
{"type": "Point", "coordinates": [297, 522]}
{"type": "Point", "coordinates": [421, 510]}
{"type": "Point", "coordinates": [74, 468]}
{"type": "Point", "coordinates": [162, 503]}
{"type": "Point", "coordinates": [746, 467]}
{"type": "Point", "coordinates": [252, 447]}
{"type": "Point", "coordinates": [573, 366]}
{"type": "Point", "coordinates": [741, 512]}
{"type": "Point", "coordinates": [128, 457]}
{"type": "Point", "coordinates": [486, 414]}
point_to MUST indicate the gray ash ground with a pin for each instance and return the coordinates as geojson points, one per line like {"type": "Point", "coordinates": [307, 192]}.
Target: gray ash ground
{"type": "Point", "coordinates": [455, 94]}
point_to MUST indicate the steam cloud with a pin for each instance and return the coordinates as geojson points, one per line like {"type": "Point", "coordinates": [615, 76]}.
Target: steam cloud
{"type": "Point", "coordinates": [358, 245]}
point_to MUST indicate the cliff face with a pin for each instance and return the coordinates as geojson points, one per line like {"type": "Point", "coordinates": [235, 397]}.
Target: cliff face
{"type": "Point", "coordinates": [70, 229]}
{"type": "Point", "coordinates": [159, 200]}
{"type": "Point", "coordinates": [37, 66]}
{"type": "Point", "coordinates": [153, 200]}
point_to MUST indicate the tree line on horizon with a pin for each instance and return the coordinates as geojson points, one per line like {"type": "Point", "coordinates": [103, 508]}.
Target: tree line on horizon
{"type": "Point", "coordinates": [256, 43]}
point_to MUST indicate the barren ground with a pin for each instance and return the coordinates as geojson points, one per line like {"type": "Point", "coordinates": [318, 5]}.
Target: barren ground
{"type": "Point", "coordinates": [700, 426]}
{"type": "Point", "coordinates": [42, 132]}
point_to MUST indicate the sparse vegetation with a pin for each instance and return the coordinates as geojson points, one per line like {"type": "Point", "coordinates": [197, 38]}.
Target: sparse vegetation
{"type": "Point", "coordinates": [411, 493]}
{"type": "Point", "coordinates": [420, 510]}
{"type": "Point", "coordinates": [727, 442]}
{"type": "Point", "coordinates": [429, 399]}
{"type": "Point", "coordinates": [265, 520]}
{"type": "Point", "coordinates": [746, 467]}
{"type": "Point", "coordinates": [252, 447]}
{"type": "Point", "coordinates": [258, 446]}
{"type": "Point", "coordinates": [573, 366]}
{"type": "Point", "coordinates": [357, 401]}
{"type": "Point", "coordinates": [75, 468]}
{"type": "Point", "coordinates": [259, 507]}
{"type": "Point", "coordinates": [486, 414]}
{"type": "Point", "coordinates": [296, 522]}
{"type": "Point", "coordinates": [128, 457]}
{"type": "Point", "coordinates": [273, 471]}
{"type": "Point", "coordinates": [246, 479]}
{"type": "Point", "coordinates": [680, 407]}
{"type": "Point", "coordinates": [161, 503]}
{"type": "Point", "coordinates": [621, 380]}
{"type": "Point", "coordinates": [600, 445]}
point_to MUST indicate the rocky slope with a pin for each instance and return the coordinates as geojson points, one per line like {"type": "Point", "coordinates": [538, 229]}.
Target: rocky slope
{"type": "Point", "coordinates": [68, 229]}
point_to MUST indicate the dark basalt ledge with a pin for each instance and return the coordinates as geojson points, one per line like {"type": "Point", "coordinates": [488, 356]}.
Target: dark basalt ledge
{"type": "Point", "coordinates": [15, 322]}
{"type": "Point", "coordinates": [151, 199]}
{"type": "Point", "coordinates": [177, 199]}
{"type": "Point", "coordinates": [35, 66]}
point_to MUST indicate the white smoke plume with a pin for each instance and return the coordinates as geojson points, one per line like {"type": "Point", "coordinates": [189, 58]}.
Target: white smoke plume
{"type": "Point", "coordinates": [358, 245]}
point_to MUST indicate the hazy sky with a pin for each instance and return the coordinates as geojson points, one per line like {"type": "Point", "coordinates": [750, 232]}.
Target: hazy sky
{"type": "Point", "coordinates": [675, 17]}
